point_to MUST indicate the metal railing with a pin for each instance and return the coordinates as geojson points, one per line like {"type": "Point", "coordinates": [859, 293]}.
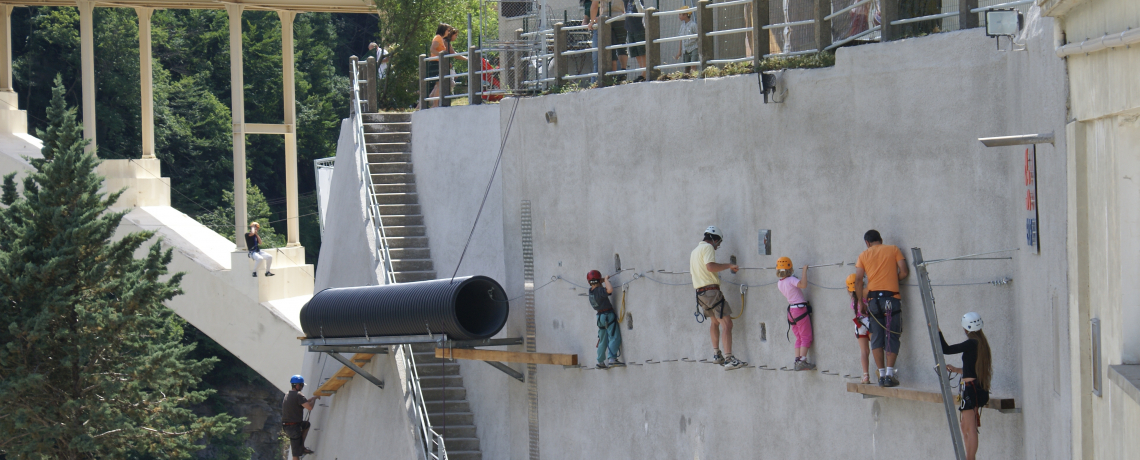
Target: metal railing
{"type": "Point", "coordinates": [433, 444]}
{"type": "Point", "coordinates": [379, 233]}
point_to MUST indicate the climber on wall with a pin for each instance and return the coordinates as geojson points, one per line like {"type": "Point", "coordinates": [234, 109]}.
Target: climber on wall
{"type": "Point", "coordinates": [293, 416]}
{"type": "Point", "coordinates": [710, 301]}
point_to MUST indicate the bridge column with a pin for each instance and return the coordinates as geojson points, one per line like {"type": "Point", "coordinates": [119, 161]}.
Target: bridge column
{"type": "Point", "coordinates": [87, 54]}
{"type": "Point", "coordinates": [146, 82]}
{"type": "Point", "coordinates": [6, 49]}
{"type": "Point", "coordinates": [289, 94]}
{"type": "Point", "coordinates": [237, 111]}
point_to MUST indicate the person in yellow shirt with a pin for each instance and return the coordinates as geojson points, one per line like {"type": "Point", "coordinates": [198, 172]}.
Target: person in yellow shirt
{"type": "Point", "coordinates": [710, 301]}
{"type": "Point", "coordinates": [884, 265]}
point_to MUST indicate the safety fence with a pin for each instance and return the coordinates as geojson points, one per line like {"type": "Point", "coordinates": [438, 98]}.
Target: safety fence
{"type": "Point", "coordinates": [552, 50]}
{"type": "Point", "coordinates": [364, 74]}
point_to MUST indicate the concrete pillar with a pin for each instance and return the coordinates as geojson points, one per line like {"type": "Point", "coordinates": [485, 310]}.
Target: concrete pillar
{"type": "Point", "coordinates": [519, 75]}
{"type": "Point", "coordinates": [474, 79]}
{"type": "Point", "coordinates": [560, 37]}
{"type": "Point", "coordinates": [652, 50]}
{"type": "Point", "coordinates": [237, 111]}
{"type": "Point", "coordinates": [966, 19]}
{"type": "Point", "coordinates": [370, 84]}
{"type": "Point", "coordinates": [889, 11]}
{"type": "Point", "coordinates": [423, 84]}
{"type": "Point", "coordinates": [444, 83]}
{"type": "Point", "coordinates": [822, 27]}
{"type": "Point", "coordinates": [6, 49]}
{"type": "Point", "coordinates": [760, 42]}
{"type": "Point", "coordinates": [146, 82]}
{"type": "Point", "coordinates": [87, 59]}
{"type": "Point", "coordinates": [605, 57]}
{"type": "Point", "coordinates": [704, 26]}
{"type": "Point", "coordinates": [293, 224]}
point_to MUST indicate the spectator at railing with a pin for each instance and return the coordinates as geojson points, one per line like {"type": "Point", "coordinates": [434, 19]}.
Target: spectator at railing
{"type": "Point", "coordinates": [687, 51]}
{"type": "Point", "coordinates": [586, 5]}
{"type": "Point", "coordinates": [635, 32]}
{"type": "Point", "coordinates": [381, 59]}
{"type": "Point", "coordinates": [610, 8]}
{"type": "Point", "coordinates": [440, 45]}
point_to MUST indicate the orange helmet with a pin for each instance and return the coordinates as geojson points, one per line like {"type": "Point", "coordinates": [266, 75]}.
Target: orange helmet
{"type": "Point", "coordinates": [784, 263]}
{"type": "Point", "coordinates": [851, 282]}
{"type": "Point", "coordinates": [594, 275]}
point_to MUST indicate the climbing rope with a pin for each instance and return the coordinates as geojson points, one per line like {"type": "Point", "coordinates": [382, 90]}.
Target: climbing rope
{"type": "Point", "coordinates": [743, 292]}
{"type": "Point", "coordinates": [621, 312]}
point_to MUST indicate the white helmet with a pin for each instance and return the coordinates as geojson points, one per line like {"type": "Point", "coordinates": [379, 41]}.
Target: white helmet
{"type": "Point", "coordinates": [712, 230]}
{"type": "Point", "coordinates": [972, 322]}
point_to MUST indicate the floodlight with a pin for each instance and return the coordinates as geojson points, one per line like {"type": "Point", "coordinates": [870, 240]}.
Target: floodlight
{"type": "Point", "coordinates": [1003, 23]}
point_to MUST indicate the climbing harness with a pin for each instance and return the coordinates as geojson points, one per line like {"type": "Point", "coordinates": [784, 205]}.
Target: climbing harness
{"type": "Point", "coordinates": [793, 321]}
{"type": "Point", "coordinates": [700, 314]}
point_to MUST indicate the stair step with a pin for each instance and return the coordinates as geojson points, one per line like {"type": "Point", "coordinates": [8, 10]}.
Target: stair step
{"type": "Point", "coordinates": [393, 188]}
{"type": "Point", "coordinates": [382, 168]}
{"type": "Point", "coordinates": [453, 419]}
{"type": "Point", "coordinates": [396, 198]}
{"type": "Point", "coordinates": [393, 178]}
{"type": "Point", "coordinates": [388, 117]}
{"type": "Point", "coordinates": [402, 157]}
{"type": "Point", "coordinates": [425, 370]}
{"type": "Point", "coordinates": [437, 394]}
{"type": "Point", "coordinates": [392, 127]}
{"type": "Point", "coordinates": [463, 454]}
{"type": "Point", "coordinates": [396, 220]}
{"type": "Point", "coordinates": [407, 241]}
{"type": "Point", "coordinates": [459, 431]}
{"type": "Point", "coordinates": [438, 381]}
{"type": "Point", "coordinates": [412, 265]}
{"type": "Point", "coordinates": [455, 444]}
{"type": "Point", "coordinates": [386, 138]}
{"type": "Point", "coordinates": [409, 253]}
{"type": "Point", "coordinates": [410, 276]}
{"type": "Point", "coordinates": [393, 147]}
{"type": "Point", "coordinates": [386, 209]}
{"type": "Point", "coordinates": [452, 406]}
{"type": "Point", "coordinates": [405, 230]}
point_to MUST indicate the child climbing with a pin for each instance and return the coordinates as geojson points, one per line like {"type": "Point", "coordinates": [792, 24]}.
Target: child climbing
{"type": "Point", "coordinates": [862, 325]}
{"type": "Point", "coordinates": [609, 334]}
{"type": "Point", "coordinates": [799, 310]}
{"type": "Point", "coordinates": [976, 371]}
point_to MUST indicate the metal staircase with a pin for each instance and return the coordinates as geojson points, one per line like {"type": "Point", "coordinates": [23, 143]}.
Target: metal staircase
{"type": "Point", "coordinates": [445, 401]}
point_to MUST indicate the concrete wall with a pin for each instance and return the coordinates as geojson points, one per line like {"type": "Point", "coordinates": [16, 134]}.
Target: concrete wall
{"type": "Point", "coordinates": [347, 256]}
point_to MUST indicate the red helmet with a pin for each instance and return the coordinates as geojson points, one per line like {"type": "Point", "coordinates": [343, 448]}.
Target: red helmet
{"type": "Point", "coordinates": [594, 275]}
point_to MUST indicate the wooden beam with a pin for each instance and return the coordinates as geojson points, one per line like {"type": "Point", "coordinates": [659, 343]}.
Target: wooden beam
{"type": "Point", "coordinates": [507, 356]}
{"type": "Point", "coordinates": [342, 376]}
{"type": "Point", "coordinates": [264, 128]}
{"type": "Point", "coordinates": [919, 395]}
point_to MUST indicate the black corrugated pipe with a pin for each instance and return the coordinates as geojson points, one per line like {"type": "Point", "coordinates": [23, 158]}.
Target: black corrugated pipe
{"type": "Point", "coordinates": [468, 308]}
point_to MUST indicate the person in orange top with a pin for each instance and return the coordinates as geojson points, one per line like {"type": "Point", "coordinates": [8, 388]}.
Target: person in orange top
{"type": "Point", "coordinates": [441, 43]}
{"type": "Point", "coordinates": [884, 265]}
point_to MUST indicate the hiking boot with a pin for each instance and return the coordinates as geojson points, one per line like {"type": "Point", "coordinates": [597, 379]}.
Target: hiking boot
{"type": "Point", "coordinates": [613, 362]}
{"type": "Point", "coordinates": [731, 363]}
{"type": "Point", "coordinates": [892, 381]}
{"type": "Point", "coordinates": [802, 365]}
{"type": "Point", "coordinates": [602, 365]}
{"type": "Point", "coordinates": [808, 366]}
{"type": "Point", "coordinates": [270, 274]}
{"type": "Point", "coordinates": [718, 358]}
{"type": "Point", "coordinates": [255, 274]}
{"type": "Point", "coordinates": [883, 382]}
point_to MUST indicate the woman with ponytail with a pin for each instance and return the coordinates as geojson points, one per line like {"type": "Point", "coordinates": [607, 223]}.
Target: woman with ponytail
{"type": "Point", "coordinates": [976, 371]}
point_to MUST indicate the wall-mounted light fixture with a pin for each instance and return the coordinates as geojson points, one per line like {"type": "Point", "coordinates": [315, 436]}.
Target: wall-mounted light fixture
{"type": "Point", "coordinates": [1004, 23]}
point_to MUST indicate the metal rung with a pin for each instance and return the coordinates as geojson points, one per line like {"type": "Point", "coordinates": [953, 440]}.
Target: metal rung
{"type": "Point", "coordinates": [626, 45]}
{"type": "Point", "coordinates": [924, 18]}
{"type": "Point", "coordinates": [579, 77]}
{"type": "Point", "coordinates": [585, 51]}
{"type": "Point", "coordinates": [789, 24]}
{"type": "Point", "coordinates": [854, 37]}
{"type": "Point", "coordinates": [623, 72]}
{"type": "Point", "coordinates": [686, 10]}
{"type": "Point", "coordinates": [732, 3]}
{"type": "Point", "coordinates": [729, 31]}
{"type": "Point", "coordinates": [679, 64]}
{"type": "Point", "coordinates": [677, 38]}
{"type": "Point", "coordinates": [729, 61]}
{"type": "Point", "coordinates": [849, 8]}
{"type": "Point", "coordinates": [797, 53]}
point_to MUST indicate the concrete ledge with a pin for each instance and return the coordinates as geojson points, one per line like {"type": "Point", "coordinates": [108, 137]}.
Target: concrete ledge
{"type": "Point", "coordinates": [1127, 377]}
{"type": "Point", "coordinates": [872, 390]}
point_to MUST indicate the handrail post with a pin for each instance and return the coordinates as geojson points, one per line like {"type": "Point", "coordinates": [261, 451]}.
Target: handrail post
{"type": "Point", "coordinates": [423, 83]}
{"type": "Point", "coordinates": [966, 19]}
{"type": "Point", "coordinates": [560, 39]}
{"type": "Point", "coordinates": [605, 57]}
{"type": "Point", "coordinates": [704, 26]}
{"type": "Point", "coordinates": [355, 66]}
{"type": "Point", "coordinates": [822, 27]}
{"type": "Point", "coordinates": [652, 50]}
{"type": "Point", "coordinates": [517, 63]}
{"type": "Point", "coordinates": [889, 13]}
{"type": "Point", "coordinates": [444, 83]}
{"type": "Point", "coordinates": [474, 80]}
{"type": "Point", "coordinates": [370, 78]}
{"type": "Point", "coordinates": [760, 43]}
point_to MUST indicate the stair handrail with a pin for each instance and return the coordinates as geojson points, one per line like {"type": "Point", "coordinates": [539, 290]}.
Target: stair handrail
{"type": "Point", "coordinates": [433, 444]}
{"type": "Point", "coordinates": [381, 234]}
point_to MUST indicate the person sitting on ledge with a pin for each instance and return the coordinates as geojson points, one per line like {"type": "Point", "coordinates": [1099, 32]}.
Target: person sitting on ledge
{"type": "Point", "coordinates": [253, 242]}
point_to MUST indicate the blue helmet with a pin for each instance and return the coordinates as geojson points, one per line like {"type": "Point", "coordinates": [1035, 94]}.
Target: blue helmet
{"type": "Point", "coordinates": [297, 379]}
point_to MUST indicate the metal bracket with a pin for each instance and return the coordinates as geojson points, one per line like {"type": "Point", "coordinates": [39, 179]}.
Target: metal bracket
{"type": "Point", "coordinates": [507, 370]}
{"type": "Point", "coordinates": [480, 343]}
{"type": "Point", "coordinates": [347, 349]}
{"type": "Point", "coordinates": [867, 396]}
{"type": "Point", "coordinates": [351, 365]}
{"type": "Point", "coordinates": [374, 341]}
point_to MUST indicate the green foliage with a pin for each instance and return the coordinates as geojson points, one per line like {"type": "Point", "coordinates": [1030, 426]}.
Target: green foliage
{"type": "Point", "coordinates": [91, 361]}
{"type": "Point", "coordinates": [221, 219]}
{"type": "Point", "coordinates": [804, 61]}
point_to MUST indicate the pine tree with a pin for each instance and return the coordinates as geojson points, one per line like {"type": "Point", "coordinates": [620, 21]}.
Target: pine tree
{"type": "Point", "coordinates": [91, 363]}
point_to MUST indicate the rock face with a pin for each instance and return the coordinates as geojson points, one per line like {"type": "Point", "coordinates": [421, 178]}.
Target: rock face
{"type": "Point", "coordinates": [260, 404]}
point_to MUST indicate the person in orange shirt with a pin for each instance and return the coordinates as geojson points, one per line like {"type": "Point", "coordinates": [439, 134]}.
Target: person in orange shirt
{"type": "Point", "coordinates": [440, 44]}
{"type": "Point", "coordinates": [883, 265]}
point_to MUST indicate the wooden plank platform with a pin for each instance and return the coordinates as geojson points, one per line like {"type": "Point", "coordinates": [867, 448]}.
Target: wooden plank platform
{"type": "Point", "coordinates": [912, 394]}
{"type": "Point", "coordinates": [507, 356]}
{"type": "Point", "coordinates": [342, 376]}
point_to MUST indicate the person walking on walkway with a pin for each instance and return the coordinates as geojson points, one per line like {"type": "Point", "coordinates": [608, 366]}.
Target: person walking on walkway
{"type": "Point", "coordinates": [799, 310]}
{"type": "Point", "coordinates": [883, 265]}
{"type": "Point", "coordinates": [710, 302]}
{"type": "Point", "coordinates": [976, 371]}
{"type": "Point", "coordinates": [253, 243]}
{"type": "Point", "coordinates": [293, 421]}
{"type": "Point", "coordinates": [609, 334]}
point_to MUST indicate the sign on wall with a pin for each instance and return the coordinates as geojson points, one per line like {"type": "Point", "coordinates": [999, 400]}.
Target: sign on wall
{"type": "Point", "coordinates": [1031, 218]}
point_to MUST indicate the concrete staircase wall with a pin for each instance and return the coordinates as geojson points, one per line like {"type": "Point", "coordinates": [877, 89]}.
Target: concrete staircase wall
{"type": "Point", "coordinates": [446, 401]}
